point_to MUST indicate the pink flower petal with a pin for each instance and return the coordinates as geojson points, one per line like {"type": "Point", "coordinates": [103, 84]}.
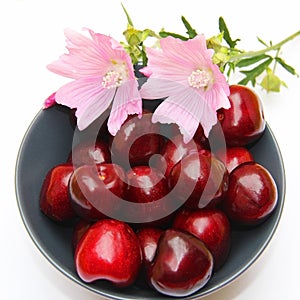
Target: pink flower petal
{"type": "Point", "coordinates": [160, 66]}
{"type": "Point", "coordinates": [50, 101]}
{"type": "Point", "coordinates": [88, 96]}
{"type": "Point", "coordinates": [187, 109]}
{"type": "Point", "coordinates": [127, 101]}
{"type": "Point", "coordinates": [191, 53]}
{"type": "Point", "coordinates": [87, 56]}
{"type": "Point", "coordinates": [155, 88]}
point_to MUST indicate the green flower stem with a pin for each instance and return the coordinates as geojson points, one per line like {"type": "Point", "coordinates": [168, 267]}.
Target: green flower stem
{"type": "Point", "coordinates": [277, 46]}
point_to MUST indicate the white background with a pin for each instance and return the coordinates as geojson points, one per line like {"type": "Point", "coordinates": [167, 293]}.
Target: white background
{"type": "Point", "coordinates": [31, 35]}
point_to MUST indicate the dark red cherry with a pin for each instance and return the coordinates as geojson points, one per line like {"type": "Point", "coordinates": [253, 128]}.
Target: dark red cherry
{"type": "Point", "coordinates": [79, 230]}
{"type": "Point", "coordinates": [200, 138]}
{"type": "Point", "coordinates": [109, 250]}
{"type": "Point", "coordinates": [252, 194]}
{"type": "Point", "coordinates": [182, 264]}
{"type": "Point", "coordinates": [136, 141]}
{"type": "Point", "coordinates": [54, 197]}
{"type": "Point", "coordinates": [173, 151]}
{"type": "Point", "coordinates": [243, 122]}
{"type": "Point", "coordinates": [211, 226]}
{"type": "Point", "coordinates": [87, 153]}
{"type": "Point", "coordinates": [234, 156]}
{"type": "Point", "coordinates": [148, 238]}
{"type": "Point", "coordinates": [93, 190]}
{"type": "Point", "coordinates": [148, 185]}
{"type": "Point", "coordinates": [200, 180]}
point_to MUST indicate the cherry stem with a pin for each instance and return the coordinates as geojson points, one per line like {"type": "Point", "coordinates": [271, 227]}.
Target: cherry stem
{"type": "Point", "coordinates": [277, 46]}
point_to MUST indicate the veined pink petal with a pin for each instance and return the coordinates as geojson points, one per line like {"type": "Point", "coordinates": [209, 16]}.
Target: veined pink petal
{"type": "Point", "coordinates": [88, 96]}
{"type": "Point", "coordinates": [111, 49]}
{"type": "Point", "coordinates": [187, 109]}
{"type": "Point", "coordinates": [89, 113]}
{"type": "Point", "coordinates": [85, 57]}
{"type": "Point", "coordinates": [127, 101]}
{"type": "Point", "coordinates": [160, 66]}
{"type": "Point", "coordinates": [191, 53]}
{"type": "Point", "coordinates": [90, 56]}
{"type": "Point", "coordinates": [156, 88]}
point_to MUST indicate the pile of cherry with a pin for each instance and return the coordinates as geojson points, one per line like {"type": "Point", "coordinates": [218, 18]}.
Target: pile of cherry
{"type": "Point", "coordinates": [178, 243]}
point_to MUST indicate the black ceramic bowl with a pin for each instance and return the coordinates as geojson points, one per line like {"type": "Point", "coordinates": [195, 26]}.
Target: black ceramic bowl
{"type": "Point", "coordinates": [48, 142]}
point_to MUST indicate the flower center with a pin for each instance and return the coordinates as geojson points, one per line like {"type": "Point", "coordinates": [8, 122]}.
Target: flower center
{"type": "Point", "coordinates": [201, 79]}
{"type": "Point", "coordinates": [112, 79]}
{"type": "Point", "coordinates": [116, 76]}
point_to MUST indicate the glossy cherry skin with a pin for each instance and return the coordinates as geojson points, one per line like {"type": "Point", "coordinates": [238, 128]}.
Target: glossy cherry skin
{"type": "Point", "coordinates": [148, 238]}
{"type": "Point", "coordinates": [235, 156]}
{"type": "Point", "coordinates": [243, 122]}
{"type": "Point", "coordinates": [88, 153]}
{"type": "Point", "coordinates": [54, 197]}
{"type": "Point", "coordinates": [252, 194]}
{"type": "Point", "coordinates": [200, 138]}
{"type": "Point", "coordinates": [193, 183]}
{"type": "Point", "coordinates": [109, 250]}
{"type": "Point", "coordinates": [79, 230]}
{"type": "Point", "coordinates": [93, 188]}
{"type": "Point", "coordinates": [173, 151]}
{"type": "Point", "coordinates": [182, 264]}
{"type": "Point", "coordinates": [136, 141]}
{"type": "Point", "coordinates": [145, 185]}
{"type": "Point", "coordinates": [212, 227]}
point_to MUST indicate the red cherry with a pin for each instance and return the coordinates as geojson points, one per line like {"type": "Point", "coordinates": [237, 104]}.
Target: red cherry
{"type": "Point", "coordinates": [109, 250]}
{"type": "Point", "coordinates": [93, 189]}
{"type": "Point", "coordinates": [173, 151]}
{"type": "Point", "coordinates": [235, 156]}
{"type": "Point", "coordinates": [251, 196]}
{"type": "Point", "coordinates": [136, 141]}
{"type": "Point", "coordinates": [88, 153]}
{"type": "Point", "coordinates": [182, 264]}
{"type": "Point", "coordinates": [212, 227]}
{"type": "Point", "coordinates": [148, 238]}
{"type": "Point", "coordinates": [145, 185]}
{"type": "Point", "coordinates": [243, 122]}
{"type": "Point", "coordinates": [54, 198]}
{"type": "Point", "coordinates": [200, 138]}
{"type": "Point", "coordinates": [79, 230]}
{"type": "Point", "coordinates": [200, 180]}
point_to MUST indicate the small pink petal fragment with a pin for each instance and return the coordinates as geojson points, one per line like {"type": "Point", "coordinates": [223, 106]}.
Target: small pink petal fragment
{"type": "Point", "coordinates": [50, 101]}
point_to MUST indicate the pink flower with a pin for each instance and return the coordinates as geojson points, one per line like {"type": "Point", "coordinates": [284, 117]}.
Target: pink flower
{"type": "Point", "coordinates": [103, 74]}
{"type": "Point", "coordinates": [195, 88]}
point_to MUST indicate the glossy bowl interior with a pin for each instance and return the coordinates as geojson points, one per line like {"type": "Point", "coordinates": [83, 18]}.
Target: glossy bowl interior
{"type": "Point", "coordinates": [48, 142]}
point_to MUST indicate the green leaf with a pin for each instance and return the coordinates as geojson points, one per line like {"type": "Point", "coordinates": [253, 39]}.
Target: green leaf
{"type": "Point", "coordinates": [223, 28]}
{"type": "Point", "coordinates": [146, 33]}
{"type": "Point", "coordinates": [262, 42]}
{"type": "Point", "coordinates": [289, 68]}
{"type": "Point", "coordinates": [127, 15]}
{"type": "Point", "coordinates": [190, 30]}
{"type": "Point", "coordinates": [253, 73]}
{"type": "Point", "coordinates": [164, 34]}
{"type": "Point", "coordinates": [251, 60]}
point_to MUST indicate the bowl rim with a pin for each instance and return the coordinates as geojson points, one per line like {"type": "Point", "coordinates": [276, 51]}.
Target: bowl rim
{"type": "Point", "coordinates": [210, 291]}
